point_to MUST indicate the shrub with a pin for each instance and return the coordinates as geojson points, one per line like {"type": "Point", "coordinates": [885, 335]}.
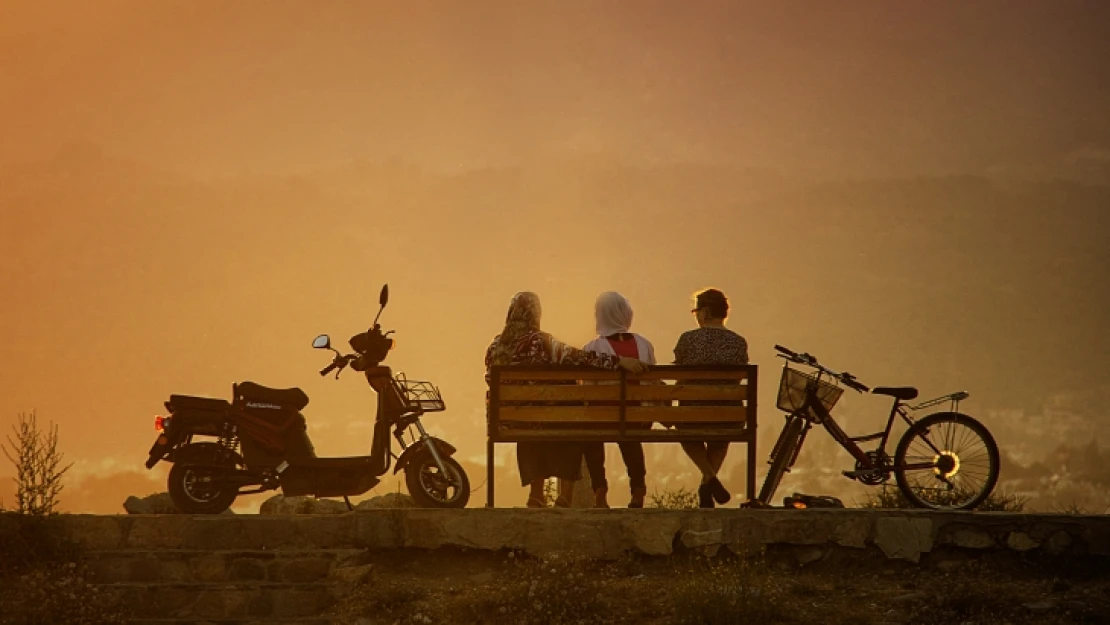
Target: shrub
{"type": "Point", "coordinates": [997, 501]}
{"type": "Point", "coordinates": [40, 580]}
{"type": "Point", "coordinates": [680, 499]}
{"type": "Point", "coordinates": [38, 466]}
{"type": "Point", "coordinates": [56, 592]}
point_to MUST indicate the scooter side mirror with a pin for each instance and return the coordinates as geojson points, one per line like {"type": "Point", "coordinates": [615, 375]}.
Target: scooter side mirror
{"type": "Point", "coordinates": [384, 297]}
{"type": "Point", "coordinates": [322, 342]}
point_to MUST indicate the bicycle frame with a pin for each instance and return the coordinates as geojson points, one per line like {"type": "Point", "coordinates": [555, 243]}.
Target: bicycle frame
{"type": "Point", "coordinates": [867, 462]}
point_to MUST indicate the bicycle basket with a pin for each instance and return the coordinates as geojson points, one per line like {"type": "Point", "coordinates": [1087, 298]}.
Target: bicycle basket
{"type": "Point", "coordinates": [423, 395]}
{"type": "Point", "coordinates": [792, 390]}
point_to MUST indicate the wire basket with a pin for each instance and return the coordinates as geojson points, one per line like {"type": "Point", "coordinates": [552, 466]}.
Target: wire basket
{"type": "Point", "coordinates": [423, 395]}
{"type": "Point", "coordinates": [793, 387]}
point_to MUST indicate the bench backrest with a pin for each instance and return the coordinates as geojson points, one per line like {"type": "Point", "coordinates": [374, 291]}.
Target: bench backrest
{"type": "Point", "coordinates": [537, 395]}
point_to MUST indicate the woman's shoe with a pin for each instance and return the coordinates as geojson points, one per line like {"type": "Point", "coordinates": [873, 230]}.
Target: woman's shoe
{"type": "Point", "coordinates": [601, 497]}
{"type": "Point", "coordinates": [562, 503]}
{"type": "Point", "coordinates": [536, 502]}
{"type": "Point", "coordinates": [705, 497]}
{"type": "Point", "coordinates": [718, 490]}
{"type": "Point", "coordinates": [638, 495]}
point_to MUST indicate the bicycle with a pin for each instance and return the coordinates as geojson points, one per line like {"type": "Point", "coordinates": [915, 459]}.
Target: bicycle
{"type": "Point", "coordinates": [945, 460]}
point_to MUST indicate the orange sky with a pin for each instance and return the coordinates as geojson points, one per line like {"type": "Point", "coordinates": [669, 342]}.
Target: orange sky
{"type": "Point", "coordinates": [190, 191]}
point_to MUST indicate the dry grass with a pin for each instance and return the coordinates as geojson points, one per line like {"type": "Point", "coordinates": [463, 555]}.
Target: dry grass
{"type": "Point", "coordinates": [452, 588]}
{"type": "Point", "coordinates": [997, 501]}
{"type": "Point", "coordinates": [679, 499]}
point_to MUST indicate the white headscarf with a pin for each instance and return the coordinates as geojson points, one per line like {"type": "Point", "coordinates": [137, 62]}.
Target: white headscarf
{"type": "Point", "coordinates": [613, 314]}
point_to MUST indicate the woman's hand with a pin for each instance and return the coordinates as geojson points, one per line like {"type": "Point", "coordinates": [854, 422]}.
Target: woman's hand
{"type": "Point", "coordinates": [632, 365]}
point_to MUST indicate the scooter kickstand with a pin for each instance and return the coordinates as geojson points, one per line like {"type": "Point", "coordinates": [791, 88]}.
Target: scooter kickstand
{"type": "Point", "coordinates": [349, 506]}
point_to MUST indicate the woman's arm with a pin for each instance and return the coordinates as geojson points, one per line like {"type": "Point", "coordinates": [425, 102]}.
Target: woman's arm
{"type": "Point", "coordinates": [560, 353]}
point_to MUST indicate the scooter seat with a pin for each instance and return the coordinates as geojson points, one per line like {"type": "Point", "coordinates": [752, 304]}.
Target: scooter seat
{"type": "Point", "coordinates": [293, 398]}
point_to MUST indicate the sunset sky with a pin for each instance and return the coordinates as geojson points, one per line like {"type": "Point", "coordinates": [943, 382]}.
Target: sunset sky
{"type": "Point", "coordinates": [191, 191]}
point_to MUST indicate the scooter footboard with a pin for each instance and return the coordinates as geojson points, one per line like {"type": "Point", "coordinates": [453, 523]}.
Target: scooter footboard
{"type": "Point", "coordinates": [328, 477]}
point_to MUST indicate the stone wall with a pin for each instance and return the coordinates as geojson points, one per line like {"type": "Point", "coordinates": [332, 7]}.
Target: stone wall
{"type": "Point", "coordinates": [607, 534]}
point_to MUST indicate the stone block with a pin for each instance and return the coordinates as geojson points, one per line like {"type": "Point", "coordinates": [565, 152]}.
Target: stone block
{"type": "Point", "coordinates": [94, 532]}
{"type": "Point", "coordinates": [166, 531]}
{"type": "Point", "coordinates": [215, 533]}
{"type": "Point", "coordinates": [291, 603]}
{"type": "Point", "coordinates": [904, 537]}
{"type": "Point", "coordinates": [324, 531]}
{"type": "Point", "coordinates": [1057, 543]}
{"type": "Point", "coordinates": [301, 570]}
{"type": "Point", "coordinates": [1020, 541]}
{"type": "Point", "coordinates": [352, 575]}
{"type": "Point", "coordinates": [247, 569]}
{"type": "Point", "coordinates": [652, 534]}
{"type": "Point", "coordinates": [379, 529]}
{"type": "Point", "coordinates": [209, 568]}
{"type": "Point", "coordinates": [971, 539]}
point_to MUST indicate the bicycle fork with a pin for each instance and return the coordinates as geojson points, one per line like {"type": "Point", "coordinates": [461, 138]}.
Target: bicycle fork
{"type": "Point", "coordinates": [781, 442]}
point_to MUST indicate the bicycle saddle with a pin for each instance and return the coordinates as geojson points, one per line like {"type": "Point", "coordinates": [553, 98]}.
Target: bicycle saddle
{"type": "Point", "coordinates": [904, 393]}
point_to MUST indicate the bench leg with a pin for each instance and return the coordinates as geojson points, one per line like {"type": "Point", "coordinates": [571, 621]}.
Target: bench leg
{"type": "Point", "coordinates": [751, 466]}
{"type": "Point", "coordinates": [489, 473]}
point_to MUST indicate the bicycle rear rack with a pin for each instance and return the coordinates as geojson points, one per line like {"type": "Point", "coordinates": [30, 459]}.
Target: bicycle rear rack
{"type": "Point", "coordinates": [955, 398]}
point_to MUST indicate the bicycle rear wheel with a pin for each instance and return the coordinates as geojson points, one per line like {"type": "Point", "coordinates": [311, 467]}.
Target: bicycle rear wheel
{"type": "Point", "coordinates": [783, 453]}
{"type": "Point", "coordinates": [957, 458]}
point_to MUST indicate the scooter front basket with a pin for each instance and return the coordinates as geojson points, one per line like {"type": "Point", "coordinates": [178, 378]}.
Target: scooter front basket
{"type": "Point", "coordinates": [422, 395]}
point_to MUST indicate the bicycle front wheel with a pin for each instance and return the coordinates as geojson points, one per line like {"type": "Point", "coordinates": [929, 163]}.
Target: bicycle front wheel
{"type": "Point", "coordinates": [947, 460]}
{"type": "Point", "coordinates": [783, 454]}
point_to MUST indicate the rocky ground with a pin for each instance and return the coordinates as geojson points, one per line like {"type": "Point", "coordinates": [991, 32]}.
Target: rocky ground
{"type": "Point", "coordinates": [509, 588]}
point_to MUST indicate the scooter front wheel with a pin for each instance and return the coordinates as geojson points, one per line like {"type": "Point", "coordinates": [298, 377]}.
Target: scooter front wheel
{"type": "Point", "coordinates": [432, 488]}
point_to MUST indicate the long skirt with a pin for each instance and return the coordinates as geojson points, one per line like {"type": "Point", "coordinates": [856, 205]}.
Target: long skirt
{"type": "Point", "coordinates": [539, 460]}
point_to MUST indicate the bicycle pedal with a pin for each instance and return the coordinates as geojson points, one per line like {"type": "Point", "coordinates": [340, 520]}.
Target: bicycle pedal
{"type": "Point", "coordinates": [859, 473]}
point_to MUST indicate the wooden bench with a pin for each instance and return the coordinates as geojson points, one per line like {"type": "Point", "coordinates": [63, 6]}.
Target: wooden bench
{"type": "Point", "coordinates": [555, 402]}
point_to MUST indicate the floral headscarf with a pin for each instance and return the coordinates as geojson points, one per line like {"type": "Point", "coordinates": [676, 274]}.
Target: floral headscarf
{"type": "Point", "coordinates": [523, 320]}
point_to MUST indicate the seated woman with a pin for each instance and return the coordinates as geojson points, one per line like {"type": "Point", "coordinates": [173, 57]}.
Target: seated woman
{"type": "Point", "coordinates": [613, 318]}
{"type": "Point", "coordinates": [711, 344]}
{"type": "Point", "coordinates": [522, 343]}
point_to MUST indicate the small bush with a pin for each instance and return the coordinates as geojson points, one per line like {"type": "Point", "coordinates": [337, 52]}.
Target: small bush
{"type": "Point", "coordinates": [680, 499]}
{"type": "Point", "coordinates": [40, 580]}
{"type": "Point", "coordinates": [38, 466]}
{"type": "Point", "coordinates": [52, 593]}
{"type": "Point", "coordinates": [997, 501]}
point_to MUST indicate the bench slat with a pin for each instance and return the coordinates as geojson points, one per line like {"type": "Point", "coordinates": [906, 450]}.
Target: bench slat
{"type": "Point", "coordinates": [567, 375]}
{"type": "Point", "coordinates": [687, 392]}
{"type": "Point", "coordinates": [611, 392]}
{"type": "Point", "coordinates": [659, 436]}
{"type": "Point", "coordinates": [611, 414]}
{"type": "Point", "coordinates": [578, 392]}
{"type": "Point", "coordinates": [669, 373]}
{"type": "Point", "coordinates": [570, 375]}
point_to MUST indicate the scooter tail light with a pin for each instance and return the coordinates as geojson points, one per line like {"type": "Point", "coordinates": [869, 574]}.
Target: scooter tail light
{"type": "Point", "coordinates": [160, 423]}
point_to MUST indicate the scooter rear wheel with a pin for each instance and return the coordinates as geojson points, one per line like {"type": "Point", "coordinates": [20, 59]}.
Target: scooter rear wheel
{"type": "Point", "coordinates": [430, 488]}
{"type": "Point", "coordinates": [200, 490]}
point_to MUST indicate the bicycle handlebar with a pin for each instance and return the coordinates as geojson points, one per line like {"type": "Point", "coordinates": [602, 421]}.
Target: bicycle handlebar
{"type": "Point", "coordinates": [846, 378]}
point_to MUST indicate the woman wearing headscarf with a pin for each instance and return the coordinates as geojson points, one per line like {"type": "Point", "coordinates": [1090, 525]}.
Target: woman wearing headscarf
{"type": "Point", "coordinates": [613, 319]}
{"type": "Point", "coordinates": [523, 343]}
